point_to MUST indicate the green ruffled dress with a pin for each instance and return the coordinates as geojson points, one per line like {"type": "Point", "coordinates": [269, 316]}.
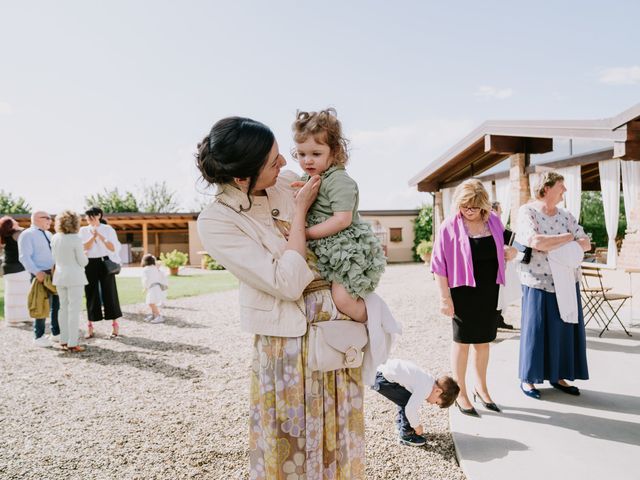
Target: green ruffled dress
{"type": "Point", "coordinates": [352, 257]}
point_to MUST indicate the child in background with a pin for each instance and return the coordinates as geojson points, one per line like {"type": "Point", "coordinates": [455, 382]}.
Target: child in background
{"type": "Point", "coordinates": [155, 284]}
{"type": "Point", "coordinates": [349, 254]}
{"type": "Point", "coordinates": [407, 385]}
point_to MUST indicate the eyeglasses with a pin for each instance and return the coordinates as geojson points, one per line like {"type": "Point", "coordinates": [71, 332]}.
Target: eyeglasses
{"type": "Point", "coordinates": [45, 218]}
{"type": "Point", "coordinates": [471, 209]}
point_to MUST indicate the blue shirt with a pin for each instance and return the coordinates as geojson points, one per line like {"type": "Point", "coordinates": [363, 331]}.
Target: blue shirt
{"type": "Point", "coordinates": [34, 250]}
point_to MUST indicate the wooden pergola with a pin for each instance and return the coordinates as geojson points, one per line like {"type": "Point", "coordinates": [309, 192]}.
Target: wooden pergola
{"type": "Point", "coordinates": [516, 140]}
{"type": "Point", "coordinates": [146, 224]}
{"type": "Point", "coordinates": [151, 224]}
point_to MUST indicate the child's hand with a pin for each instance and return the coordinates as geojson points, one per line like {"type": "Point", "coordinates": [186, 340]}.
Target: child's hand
{"type": "Point", "coordinates": [419, 430]}
{"type": "Point", "coordinates": [308, 193]}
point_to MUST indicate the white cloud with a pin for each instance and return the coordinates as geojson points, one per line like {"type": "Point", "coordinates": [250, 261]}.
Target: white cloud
{"type": "Point", "coordinates": [620, 75]}
{"type": "Point", "coordinates": [383, 161]}
{"type": "Point", "coordinates": [487, 92]}
{"type": "Point", "coordinates": [5, 108]}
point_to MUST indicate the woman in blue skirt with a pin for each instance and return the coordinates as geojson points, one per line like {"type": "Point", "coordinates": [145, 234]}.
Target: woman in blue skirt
{"type": "Point", "coordinates": [550, 348]}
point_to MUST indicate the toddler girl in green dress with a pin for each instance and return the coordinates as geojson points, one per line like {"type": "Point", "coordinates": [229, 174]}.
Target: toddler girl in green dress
{"type": "Point", "coordinates": [349, 255]}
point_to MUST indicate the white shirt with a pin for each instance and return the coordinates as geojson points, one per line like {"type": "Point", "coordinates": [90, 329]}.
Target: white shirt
{"type": "Point", "coordinates": [99, 249]}
{"type": "Point", "coordinates": [151, 275]}
{"type": "Point", "coordinates": [414, 379]}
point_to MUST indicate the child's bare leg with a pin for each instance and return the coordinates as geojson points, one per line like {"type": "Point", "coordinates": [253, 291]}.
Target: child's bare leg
{"type": "Point", "coordinates": [155, 311]}
{"type": "Point", "coordinates": [352, 307]}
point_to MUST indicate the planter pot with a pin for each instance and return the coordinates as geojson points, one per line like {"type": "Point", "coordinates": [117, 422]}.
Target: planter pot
{"type": "Point", "coordinates": [174, 270]}
{"type": "Point", "coordinates": [426, 258]}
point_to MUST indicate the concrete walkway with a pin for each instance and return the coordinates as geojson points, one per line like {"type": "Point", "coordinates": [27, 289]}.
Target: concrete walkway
{"type": "Point", "coordinates": [595, 435]}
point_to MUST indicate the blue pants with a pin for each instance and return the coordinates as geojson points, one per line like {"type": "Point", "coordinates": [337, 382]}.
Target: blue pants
{"type": "Point", "coordinates": [39, 323]}
{"type": "Point", "coordinates": [398, 395]}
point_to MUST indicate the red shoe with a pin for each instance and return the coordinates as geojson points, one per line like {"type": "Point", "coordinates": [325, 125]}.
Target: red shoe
{"type": "Point", "coordinates": [89, 330]}
{"type": "Point", "coordinates": [115, 329]}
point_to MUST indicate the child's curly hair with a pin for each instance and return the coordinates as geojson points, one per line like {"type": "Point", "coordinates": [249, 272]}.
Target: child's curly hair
{"type": "Point", "coordinates": [325, 128]}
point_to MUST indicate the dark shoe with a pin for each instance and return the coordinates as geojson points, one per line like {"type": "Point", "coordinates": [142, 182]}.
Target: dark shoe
{"type": "Point", "coordinates": [412, 439]}
{"type": "Point", "coordinates": [467, 411]}
{"type": "Point", "coordinates": [570, 389]}
{"type": "Point", "coordinates": [533, 393]}
{"type": "Point", "coordinates": [505, 326]}
{"type": "Point", "coordinates": [489, 406]}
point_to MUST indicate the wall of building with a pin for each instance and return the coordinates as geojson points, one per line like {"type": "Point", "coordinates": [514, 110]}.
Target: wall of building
{"type": "Point", "coordinates": [397, 251]}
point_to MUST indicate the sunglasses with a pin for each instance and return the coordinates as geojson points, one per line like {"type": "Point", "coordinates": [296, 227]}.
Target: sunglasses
{"type": "Point", "coordinates": [471, 209]}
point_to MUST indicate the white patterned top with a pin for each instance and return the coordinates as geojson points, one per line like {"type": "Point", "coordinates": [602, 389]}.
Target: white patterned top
{"type": "Point", "coordinates": [531, 221]}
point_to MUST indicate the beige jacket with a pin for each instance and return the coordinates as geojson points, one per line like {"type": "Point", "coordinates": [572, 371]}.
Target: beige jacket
{"type": "Point", "coordinates": [250, 246]}
{"type": "Point", "coordinates": [68, 253]}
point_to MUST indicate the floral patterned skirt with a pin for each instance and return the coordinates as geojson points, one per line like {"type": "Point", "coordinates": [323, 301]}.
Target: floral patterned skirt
{"type": "Point", "coordinates": [304, 424]}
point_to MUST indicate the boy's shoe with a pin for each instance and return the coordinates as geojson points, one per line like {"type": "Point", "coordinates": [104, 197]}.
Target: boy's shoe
{"type": "Point", "coordinates": [43, 341]}
{"type": "Point", "coordinates": [55, 338]}
{"type": "Point", "coordinates": [158, 319]}
{"type": "Point", "coordinates": [412, 439]}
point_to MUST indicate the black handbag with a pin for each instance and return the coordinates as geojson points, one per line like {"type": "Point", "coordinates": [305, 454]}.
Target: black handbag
{"type": "Point", "coordinates": [112, 267]}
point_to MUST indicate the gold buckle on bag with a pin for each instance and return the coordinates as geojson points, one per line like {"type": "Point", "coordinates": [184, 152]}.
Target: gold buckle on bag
{"type": "Point", "coordinates": [351, 356]}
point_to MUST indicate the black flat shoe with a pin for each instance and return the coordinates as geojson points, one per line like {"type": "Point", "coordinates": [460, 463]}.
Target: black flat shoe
{"type": "Point", "coordinates": [505, 326]}
{"type": "Point", "coordinates": [489, 406]}
{"type": "Point", "coordinates": [472, 412]}
{"type": "Point", "coordinates": [570, 389]}
{"type": "Point", "coordinates": [533, 393]}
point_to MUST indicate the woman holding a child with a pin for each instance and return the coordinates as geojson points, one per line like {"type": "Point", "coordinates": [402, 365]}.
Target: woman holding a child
{"type": "Point", "coordinates": [302, 422]}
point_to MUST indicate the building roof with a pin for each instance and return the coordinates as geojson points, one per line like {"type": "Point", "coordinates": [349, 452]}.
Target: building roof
{"type": "Point", "coordinates": [128, 221]}
{"type": "Point", "coordinates": [495, 140]}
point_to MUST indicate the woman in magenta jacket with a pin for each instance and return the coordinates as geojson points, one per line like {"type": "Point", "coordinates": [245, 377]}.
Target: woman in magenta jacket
{"type": "Point", "coordinates": [469, 263]}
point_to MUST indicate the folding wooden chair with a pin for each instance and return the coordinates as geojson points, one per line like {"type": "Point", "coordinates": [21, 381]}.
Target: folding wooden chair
{"type": "Point", "coordinates": [598, 296]}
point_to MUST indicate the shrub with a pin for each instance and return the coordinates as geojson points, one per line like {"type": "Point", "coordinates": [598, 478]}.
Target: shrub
{"type": "Point", "coordinates": [174, 259]}
{"type": "Point", "coordinates": [210, 263]}
{"type": "Point", "coordinates": [424, 247]}
{"type": "Point", "coordinates": [422, 227]}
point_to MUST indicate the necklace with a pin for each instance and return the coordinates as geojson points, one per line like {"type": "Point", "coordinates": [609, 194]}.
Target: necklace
{"type": "Point", "coordinates": [476, 234]}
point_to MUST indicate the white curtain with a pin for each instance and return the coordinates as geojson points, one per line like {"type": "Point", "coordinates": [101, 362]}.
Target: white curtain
{"type": "Point", "coordinates": [503, 196]}
{"type": "Point", "coordinates": [447, 197]}
{"type": "Point", "coordinates": [610, 186]}
{"type": "Point", "coordinates": [488, 186]}
{"type": "Point", "coordinates": [573, 184]}
{"type": "Point", "coordinates": [630, 186]}
{"type": "Point", "coordinates": [533, 181]}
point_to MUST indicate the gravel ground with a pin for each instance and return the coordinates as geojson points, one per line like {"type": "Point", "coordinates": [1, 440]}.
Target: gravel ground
{"type": "Point", "coordinates": [170, 401]}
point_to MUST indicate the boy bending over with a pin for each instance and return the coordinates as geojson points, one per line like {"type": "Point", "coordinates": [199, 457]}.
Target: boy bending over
{"type": "Point", "coordinates": [407, 385]}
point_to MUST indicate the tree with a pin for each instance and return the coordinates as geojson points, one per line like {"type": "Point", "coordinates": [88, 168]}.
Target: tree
{"type": "Point", "coordinates": [158, 198]}
{"type": "Point", "coordinates": [422, 227]}
{"type": "Point", "coordinates": [592, 218]}
{"type": "Point", "coordinates": [10, 205]}
{"type": "Point", "coordinates": [111, 201]}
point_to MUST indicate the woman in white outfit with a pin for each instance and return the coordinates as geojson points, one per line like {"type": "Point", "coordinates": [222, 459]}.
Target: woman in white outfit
{"type": "Point", "coordinates": [69, 277]}
{"type": "Point", "coordinates": [155, 284]}
{"type": "Point", "coordinates": [16, 279]}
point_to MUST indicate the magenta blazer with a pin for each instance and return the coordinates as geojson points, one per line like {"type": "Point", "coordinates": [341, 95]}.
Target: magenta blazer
{"type": "Point", "coordinates": [451, 256]}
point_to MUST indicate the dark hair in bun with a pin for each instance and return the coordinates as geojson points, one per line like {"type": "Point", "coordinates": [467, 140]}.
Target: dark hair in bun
{"type": "Point", "coordinates": [236, 147]}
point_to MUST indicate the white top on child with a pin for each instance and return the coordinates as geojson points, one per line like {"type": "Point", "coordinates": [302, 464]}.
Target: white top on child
{"type": "Point", "coordinates": [152, 275]}
{"type": "Point", "coordinates": [414, 379]}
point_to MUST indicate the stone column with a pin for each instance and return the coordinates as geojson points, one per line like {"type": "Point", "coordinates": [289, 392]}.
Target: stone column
{"type": "Point", "coordinates": [438, 213]}
{"type": "Point", "coordinates": [519, 180]}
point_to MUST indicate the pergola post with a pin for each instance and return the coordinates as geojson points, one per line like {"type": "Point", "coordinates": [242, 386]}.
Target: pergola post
{"type": "Point", "coordinates": [145, 238]}
{"type": "Point", "coordinates": [519, 180]}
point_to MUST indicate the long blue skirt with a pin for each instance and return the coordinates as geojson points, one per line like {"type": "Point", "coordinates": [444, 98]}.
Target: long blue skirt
{"type": "Point", "coordinates": [550, 349]}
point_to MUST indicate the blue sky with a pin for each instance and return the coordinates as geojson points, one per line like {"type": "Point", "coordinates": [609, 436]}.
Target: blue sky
{"type": "Point", "coordinates": [97, 94]}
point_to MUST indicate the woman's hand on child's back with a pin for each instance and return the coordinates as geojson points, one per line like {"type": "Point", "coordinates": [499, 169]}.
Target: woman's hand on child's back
{"type": "Point", "coordinates": [307, 193]}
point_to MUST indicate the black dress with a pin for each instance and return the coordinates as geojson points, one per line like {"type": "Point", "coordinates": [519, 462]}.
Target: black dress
{"type": "Point", "coordinates": [475, 319]}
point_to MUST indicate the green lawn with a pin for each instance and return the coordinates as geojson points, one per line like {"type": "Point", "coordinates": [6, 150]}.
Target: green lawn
{"type": "Point", "coordinates": [130, 290]}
